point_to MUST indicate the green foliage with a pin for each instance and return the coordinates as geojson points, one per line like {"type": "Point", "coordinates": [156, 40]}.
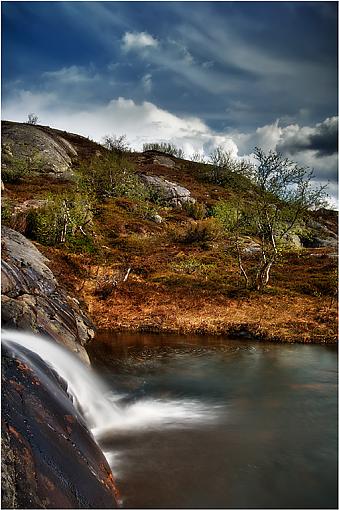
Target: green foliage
{"type": "Point", "coordinates": [166, 148]}
{"type": "Point", "coordinates": [14, 169]}
{"type": "Point", "coordinates": [195, 210]}
{"type": "Point", "coordinates": [281, 179]}
{"type": "Point", "coordinates": [6, 212]}
{"type": "Point", "coordinates": [225, 170]}
{"type": "Point", "coordinates": [283, 194]}
{"type": "Point", "coordinates": [63, 220]}
{"type": "Point", "coordinates": [191, 265]}
{"type": "Point", "coordinates": [145, 209]}
{"type": "Point", "coordinates": [157, 196]}
{"type": "Point", "coordinates": [112, 176]}
{"type": "Point", "coordinates": [227, 214]}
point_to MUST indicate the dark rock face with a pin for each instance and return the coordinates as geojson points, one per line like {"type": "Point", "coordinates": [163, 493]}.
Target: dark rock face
{"type": "Point", "coordinates": [49, 458]}
{"type": "Point", "coordinates": [32, 299]}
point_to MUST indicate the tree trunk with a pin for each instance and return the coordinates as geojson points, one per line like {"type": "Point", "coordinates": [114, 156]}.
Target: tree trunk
{"type": "Point", "coordinates": [241, 267]}
{"type": "Point", "coordinates": [264, 275]}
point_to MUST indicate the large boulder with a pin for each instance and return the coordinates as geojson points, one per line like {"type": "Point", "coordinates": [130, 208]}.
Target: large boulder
{"type": "Point", "coordinates": [46, 152]}
{"type": "Point", "coordinates": [322, 230]}
{"type": "Point", "coordinates": [153, 157]}
{"type": "Point", "coordinates": [169, 192]}
{"type": "Point", "coordinates": [49, 457]}
{"type": "Point", "coordinates": [33, 300]}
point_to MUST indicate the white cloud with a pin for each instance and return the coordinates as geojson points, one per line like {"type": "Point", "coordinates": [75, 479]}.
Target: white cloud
{"type": "Point", "coordinates": [146, 82]}
{"type": "Point", "coordinates": [137, 41]}
{"type": "Point", "coordinates": [145, 122]}
{"type": "Point", "coordinates": [71, 75]}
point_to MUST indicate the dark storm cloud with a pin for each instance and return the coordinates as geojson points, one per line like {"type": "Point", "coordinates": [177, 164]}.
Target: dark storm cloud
{"type": "Point", "coordinates": [325, 142]}
{"type": "Point", "coordinates": [323, 139]}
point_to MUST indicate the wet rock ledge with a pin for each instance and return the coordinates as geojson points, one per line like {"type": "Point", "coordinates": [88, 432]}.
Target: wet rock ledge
{"type": "Point", "coordinates": [32, 300]}
{"type": "Point", "coordinates": [49, 457]}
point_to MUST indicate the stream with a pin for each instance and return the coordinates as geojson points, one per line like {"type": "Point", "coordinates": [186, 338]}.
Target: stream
{"type": "Point", "coordinates": [220, 423]}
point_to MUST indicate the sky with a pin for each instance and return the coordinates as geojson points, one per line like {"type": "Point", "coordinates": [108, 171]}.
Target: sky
{"type": "Point", "coordinates": [196, 74]}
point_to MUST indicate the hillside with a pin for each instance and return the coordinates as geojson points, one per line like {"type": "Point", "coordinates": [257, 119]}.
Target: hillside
{"type": "Point", "coordinates": [150, 255]}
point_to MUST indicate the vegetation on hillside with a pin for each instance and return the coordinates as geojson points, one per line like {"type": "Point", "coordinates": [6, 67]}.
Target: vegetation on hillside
{"type": "Point", "coordinates": [208, 255]}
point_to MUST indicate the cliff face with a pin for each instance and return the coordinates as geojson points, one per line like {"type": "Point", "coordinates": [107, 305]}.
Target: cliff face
{"type": "Point", "coordinates": [32, 299]}
{"type": "Point", "coordinates": [49, 457]}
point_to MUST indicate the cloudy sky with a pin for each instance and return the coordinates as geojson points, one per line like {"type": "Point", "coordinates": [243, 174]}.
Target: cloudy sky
{"type": "Point", "coordinates": [197, 74]}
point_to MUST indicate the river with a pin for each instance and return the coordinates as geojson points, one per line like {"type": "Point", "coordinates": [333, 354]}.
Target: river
{"type": "Point", "coordinates": [222, 423]}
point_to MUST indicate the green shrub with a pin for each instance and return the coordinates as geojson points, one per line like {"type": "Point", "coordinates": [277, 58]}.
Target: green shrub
{"type": "Point", "coordinates": [14, 169]}
{"type": "Point", "coordinates": [227, 171]}
{"type": "Point", "coordinates": [166, 148]}
{"type": "Point", "coordinates": [63, 220]}
{"type": "Point", "coordinates": [234, 215]}
{"type": "Point", "coordinates": [6, 212]}
{"type": "Point", "coordinates": [195, 210]}
{"type": "Point", "coordinates": [197, 157]}
{"type": "Point", "coordinates": [111, 176]}
{"type": "Point", "coordinates": [116, 143]}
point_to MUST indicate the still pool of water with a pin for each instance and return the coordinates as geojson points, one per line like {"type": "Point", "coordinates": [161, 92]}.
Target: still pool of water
{"type": "Point", "coordinates": [231, 424]}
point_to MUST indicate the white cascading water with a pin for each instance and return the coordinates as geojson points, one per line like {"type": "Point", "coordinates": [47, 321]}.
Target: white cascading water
{"type": "Point", "coordinates": [98, 404]}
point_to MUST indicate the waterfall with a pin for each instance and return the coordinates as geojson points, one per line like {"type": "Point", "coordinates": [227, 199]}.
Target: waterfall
{"type": "Point", "coordinates": [102, 408]}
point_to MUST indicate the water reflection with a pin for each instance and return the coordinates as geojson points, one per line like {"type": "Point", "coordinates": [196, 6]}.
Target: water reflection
{"type": "Point", "coordinates": [274, 444]}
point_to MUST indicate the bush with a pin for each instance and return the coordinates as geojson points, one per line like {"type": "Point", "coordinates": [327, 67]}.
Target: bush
{"type": "Point", "coordinates": [226, 213]}
{"type": "Point", "coordinates": [197, 157]}
{"type": "Point", "coordinates": [6, 212]}
{"type": "Point", "coordinates": [195, 210]}
{"type": "Point", "coordinates": [225, 170]}
{"type": "Point", "coordinates": [233, 216]}
{"type": "Point", "coordinates": [14, 169]}
{"type": "Point", "coordinates": [112, 176]}
{"type": "Point", "coordinates": [116, 143]}
{"type": "Point", "coordinates": [200, 232]}
{"type": "Point", "coordinates": [166, 148]}
{"type": "Point", "coordinates": [63, 220]}
{"type": "Point", "coordinates": [32, 119]}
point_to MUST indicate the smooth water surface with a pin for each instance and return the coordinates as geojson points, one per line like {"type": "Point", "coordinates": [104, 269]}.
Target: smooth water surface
{"type": "Point", "coordinates": [223, 423]}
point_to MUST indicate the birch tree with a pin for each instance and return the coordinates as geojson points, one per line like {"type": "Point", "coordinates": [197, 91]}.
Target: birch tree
{"type": "Point", "coordinates": [285, 193]}
{"type": "Point", "coordinates": [282, 194]}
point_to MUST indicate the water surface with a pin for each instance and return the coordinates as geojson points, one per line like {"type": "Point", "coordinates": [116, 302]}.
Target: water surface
{"type": "Point", "coordinates": [229, 423]}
